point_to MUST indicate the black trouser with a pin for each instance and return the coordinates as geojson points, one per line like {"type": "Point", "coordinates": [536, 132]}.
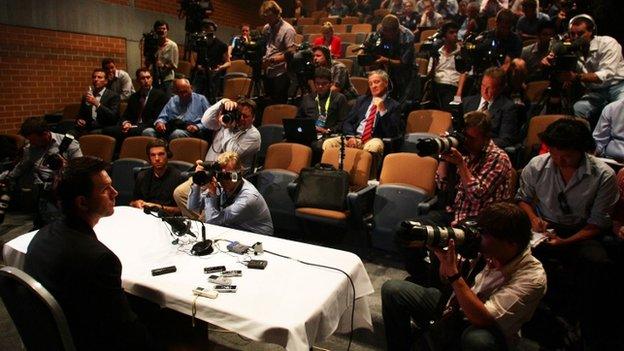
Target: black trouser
{"type": "Point", "coordinates": [276, 88]}
{"type": "Point", "coordinates": [444, 94]}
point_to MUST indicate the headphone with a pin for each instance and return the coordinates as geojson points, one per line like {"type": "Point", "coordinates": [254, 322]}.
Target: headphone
{"type": "Point", "coordinates": [586, 17]}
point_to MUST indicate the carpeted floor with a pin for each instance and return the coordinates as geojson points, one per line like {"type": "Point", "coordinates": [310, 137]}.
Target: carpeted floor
{"type": "Point", "coordinates": [382, 268]}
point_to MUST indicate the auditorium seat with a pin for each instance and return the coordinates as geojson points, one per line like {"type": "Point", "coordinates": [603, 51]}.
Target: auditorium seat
{"type": "Point", "coordinates": [134, 147]}
{"type": "Point", "coordinates": [273, 114]}
{"type": "Point", "coordinates": [425, 124]}
{"type": "Point", "coordinates": [234, 88]}
{"type": "Point", "coordinates": [401, 194]}
{"type": "Point", "coordinates": [98, 145]}
{"type": "Point", "coordinates": [188, 149]}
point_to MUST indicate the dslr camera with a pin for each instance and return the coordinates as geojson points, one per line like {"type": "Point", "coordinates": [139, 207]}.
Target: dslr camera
{"type": "Point", "coordinates": [213, 171]}
{"type": "Point", "coordinates": [439, 145]}
{"type": "Point", "coordinates": [233, 116]}
{"type": "Point", "coordinates": [467, 236]}
{"type": "Point", "coordinates": [55, 161]}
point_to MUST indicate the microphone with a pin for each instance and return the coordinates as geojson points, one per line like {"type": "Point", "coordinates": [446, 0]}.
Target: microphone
{"type": "Point", "coordinates": [178, 224]}
{"type": "Point", "coordinates": [151, 209]}
{"type": "Point", "coordinates": [203, 247]}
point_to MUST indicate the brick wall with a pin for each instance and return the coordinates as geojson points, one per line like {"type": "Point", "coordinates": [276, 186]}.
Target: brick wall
{"type": "Point", "coordinates": [44, 70]}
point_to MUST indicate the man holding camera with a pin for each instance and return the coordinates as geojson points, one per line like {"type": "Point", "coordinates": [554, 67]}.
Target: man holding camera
{"type": "Point", "coordinates": [372, 118]}
{"type": "Point", "coordinates": [280, 37]}
{"type": "Point", "coordinates": [340, 77]}
{"type": "Point", "coordinates": [209, 59]}
{"type": "Point", "coordinates": [43, 160]}
{"type": "Point", "coordinates": [154, 186]}
{"type": "Point", "coordinates": [229, 200]}
{"type": "Point", "coordinates": [232, 123]}
{"type": "Point", "coordinates": [165, 60]}
{"type": "Point", "coordinates": [486, 315]}
{"type": "Point", "coordinates": [601, 68]}
{"type": "Point", "coordinates": [99, 107]}
{"type": "Point", "coordinates": [181, 117]}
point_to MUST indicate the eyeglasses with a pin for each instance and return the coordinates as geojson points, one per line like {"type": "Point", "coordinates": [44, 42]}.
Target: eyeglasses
{"type": "Point", "coordinates": [563, 203]}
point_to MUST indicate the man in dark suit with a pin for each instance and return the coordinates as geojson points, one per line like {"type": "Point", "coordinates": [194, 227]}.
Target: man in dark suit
{"type": "Point", "coordinates": [503, 111]}
{"type": "Point", "coordinates": [82, 273]}
{"type": "Point", "coordinates": [372, 118]}
{"type": "Point", "coordinates": [143, 109]}
{"type": "Point", "coordinates": [99, 106]}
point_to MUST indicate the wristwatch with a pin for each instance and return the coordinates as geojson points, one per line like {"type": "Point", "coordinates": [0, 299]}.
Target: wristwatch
{"type": "Point", "coordinates": [453, 277]}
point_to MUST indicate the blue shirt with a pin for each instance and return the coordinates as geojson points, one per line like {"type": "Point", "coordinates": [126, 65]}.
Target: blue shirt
{"type": "Point", "coordinates": [609, 131]}
{"type": "Point", "coordinates": [190, 113]}
{"type": "Point", "coordinates": [248, 210]}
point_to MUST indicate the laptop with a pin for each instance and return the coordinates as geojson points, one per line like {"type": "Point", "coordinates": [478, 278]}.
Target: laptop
{"type": "Point", "coordinates": [300, 130]}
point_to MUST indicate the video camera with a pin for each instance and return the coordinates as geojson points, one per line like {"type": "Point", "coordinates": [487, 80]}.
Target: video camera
{"type": "Point", "coordinates": [467, 236]}
{"type": "Point", "coordinates": [150, 45]}
{"type": "Point", "coordinates": [200, 40]}
{"type": "Point", "coordinates": [432, 44]}
{"type": "Point", "coordinates": [479, 53]}
{"type": "Point", "coordinates": [567, 54]}
{"type": "Point", "coordinates": [373, 47]}
{"type": "Point", "coordinates": [194, 13]}
{"type": "Point", "coordinates": [251, 51]}
{"type": "Point", "coordinates": [55, 161]}
{"type": "Point", "coordinates": [439, 145]}
{"type": "Point", "coordinates": [301, 62]}
{"type": "Point", "coordinates": [213, 170]}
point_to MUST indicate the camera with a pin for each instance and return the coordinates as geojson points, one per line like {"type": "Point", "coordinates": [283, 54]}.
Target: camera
{"type": "Point", "coordinates": [231, 116]}
{"type": "Point", "coordinates": [150, 45]}
{"type": "Point", "coordinates": [374, 47]}
{"type": "Point", "coordinates": [432, 44]}
{"type": "Point", "coordinates": [567, 54]}
{"type": "Point", "coordinates": [302, 62]}
{"type": "Point", "coordinates": [210, 171]}
{"type": "Point", "coordinates": [467, 236]}
{"type": "Point", "coordinates": [55, 161]}
{"type": "Point", "coordinates": [251, 51]}
{"type": "Point", "coordinates": [479, 53]}
{"type": "Point", "coordinates": [438, 145]}
{"type": "Point", "coordinates": [200, 40]}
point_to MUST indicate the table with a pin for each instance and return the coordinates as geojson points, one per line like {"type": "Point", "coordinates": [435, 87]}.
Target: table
{"type": "Point", "coordinates": [288, 303]}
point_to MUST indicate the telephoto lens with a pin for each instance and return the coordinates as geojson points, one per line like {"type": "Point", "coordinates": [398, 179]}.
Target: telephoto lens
{"type": "Point", "coordinates": [438, 145]}
{"type": "Point", "coordinates": [466, 235]}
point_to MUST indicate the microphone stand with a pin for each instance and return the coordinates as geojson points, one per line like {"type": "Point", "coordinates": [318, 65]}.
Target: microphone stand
{"type": "Point", "coordinates": [203, 247]}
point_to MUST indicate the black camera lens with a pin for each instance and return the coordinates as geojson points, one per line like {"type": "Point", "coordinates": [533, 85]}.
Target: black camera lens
{"type": "Point", "coordinates": [231, 116]}
{"type": "Point", "coordinates": [437, 146]}
{"type": "Point", "coordinates": [54, 162]}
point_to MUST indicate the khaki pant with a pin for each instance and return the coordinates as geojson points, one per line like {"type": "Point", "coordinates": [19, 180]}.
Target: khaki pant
{"type": "Point", "coordinates": [180, 195]}
{"type": "Point", "coordinates": [374, 145]}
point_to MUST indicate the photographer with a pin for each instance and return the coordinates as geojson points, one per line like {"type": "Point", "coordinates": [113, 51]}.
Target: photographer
{"type": "Point", "coordinates": [43, 160]}
{"type": "Point", "coordinates": [486, 315]}
{"type": "Point", "coordinates": [600, 68]}
{"type": "Point", "coordinates": [340, 77]}
{"type": "Point", "coordinates": [209, 59]}
{"type": "Point", "coordinates": [181, 116]}
{"type": "Point", "coordinates": [448, 82]}
{"type": "Point", "coordinates": [165, 60]}
{"type": "Point", "coordinates": [229, 200]}
{"type": "Point", "coordinates": [280, 38]}
{"type": "Point", "coordinates": [393, 49]}
{"type": "Point", "coordinates": [232, 123]}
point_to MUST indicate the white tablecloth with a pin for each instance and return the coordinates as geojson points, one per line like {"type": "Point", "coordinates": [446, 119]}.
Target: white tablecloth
{"type": "Point", "coordinates": [288, 303]}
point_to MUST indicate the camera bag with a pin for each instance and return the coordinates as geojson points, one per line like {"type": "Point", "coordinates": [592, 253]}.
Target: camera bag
{"type": "Point", "coordinates": [322, 186]}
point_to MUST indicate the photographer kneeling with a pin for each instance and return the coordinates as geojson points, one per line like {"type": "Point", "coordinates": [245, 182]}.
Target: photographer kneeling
{"type": "Point", "coordinates": [227, 199]}
{"type": "Point", "coordinates": [484, 316]}
{"type": "Point", "coordinates": [469, 180]}
{"type": "Point", "coordinates": [234, 131]}
{"type": "Point", "coordinates": [43, 160]}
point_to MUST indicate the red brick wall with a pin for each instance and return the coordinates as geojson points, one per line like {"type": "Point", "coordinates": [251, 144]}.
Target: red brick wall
{"type": "Point", "coordinates": [44, 70]}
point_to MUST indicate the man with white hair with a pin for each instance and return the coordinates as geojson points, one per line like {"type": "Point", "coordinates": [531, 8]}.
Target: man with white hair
{"type": "Point", "coordinates": [181, 117]}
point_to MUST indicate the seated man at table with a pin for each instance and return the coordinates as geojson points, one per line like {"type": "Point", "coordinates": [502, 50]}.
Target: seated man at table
{"type": "Point", "coordinates": [486, 315]}
{"type": "Point", "coordinates": [373, 118]}
{"type": "Point", "coordinates": [82, 274]}
{"type": "Point", "coordinates": [229, 200]}
{"type": "Point", "coordinates": [181, 116]}
{"type": "Point", "coordinates": [154, 186]}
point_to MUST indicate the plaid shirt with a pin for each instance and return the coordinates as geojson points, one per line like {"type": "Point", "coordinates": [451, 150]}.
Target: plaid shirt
{"type": "Point", "coordinates": [490, 172]}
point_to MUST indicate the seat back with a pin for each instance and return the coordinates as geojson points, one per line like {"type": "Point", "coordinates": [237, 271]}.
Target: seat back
{"type": "Point", "coordinates": [428, 121]}
{"type": "Point", "coordinates": [289, 156]}
{"type": "Point", "coordinates": [122, 174]}
{"type": "Point", "coordinates": [239, 66]}
{"type": "Point", "coordinates": [134, 147]}
{"type": "Point", "coordinates": [184, 67]}
{"type": "Point", "coordinates": [98, 145]}
{"type": "Point", "coordinates": [537, 125]}
{"type": "Point", "coordinates": [348, 63]}
{"type": "Point", "coordinates": [357, 163]}
{"type": "Point", "coordinates": [535, 90]}
{"type": "Point", "coordinates": [361, 28]}
{"type": "Point", "coordinates": [348, 38]}
{"type": "Point", "coordinates": [350, 20]}
{"type": "Point", "coordinates": [188, 149]}
{"type": "Point", "coordinates": [423, 64]}
{"type": "Point", "coordinates": [236, 87]}
{"type": "Point", "coordinates": [360, 84]}
{"type": "Point", "coordinates": [70, 112]}
{"type": "Point", "coordinates": [181, 166]}
{"type": "Point", "coordinates": [273, 114]}
{"type": "Point", "coordinates": [36, 314]}
{"type": "Point", "coordinates": [332, 20]}
{"type": "Point", "coordinates": [398, 168]}
{"type": "Point", "coordinates": [311, 28]}
{"type": "Point", "coordinates": [269, 135]}
{"type": "Point", "coordinates": [303, 21]}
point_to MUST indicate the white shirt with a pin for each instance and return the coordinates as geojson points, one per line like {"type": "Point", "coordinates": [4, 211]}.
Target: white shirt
{"type": "Point", "coordinates": [446, 73]}
{"type": "Point", "coordinates": [604, 59]}
{"type": "Point", "coordinates": [482, 104]}
{"type": "Point", "coordinates": [98, 97]}
{"type": "Point", "coordinates": [360, 128]}
{"type": "Point", "coordinates": [511, 294]}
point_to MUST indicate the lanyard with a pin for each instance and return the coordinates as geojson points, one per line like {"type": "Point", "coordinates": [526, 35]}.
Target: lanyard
{"type": "Point", "coordinates": [326, 104]}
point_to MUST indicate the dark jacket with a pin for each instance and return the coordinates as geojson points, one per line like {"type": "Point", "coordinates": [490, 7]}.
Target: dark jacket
{"type": "Point", "coordinates": [387, 126]}
{"type": "Point", "coordinates": [338, 109]}
{"type": "Point", "coordinates": [107, 113]}
{"type": "Point", "coordinates": [156, 100]}
{"type": "Point", "coordinates": [84, 276]}
{"type": "Point", "coordinates": [505, 122]}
